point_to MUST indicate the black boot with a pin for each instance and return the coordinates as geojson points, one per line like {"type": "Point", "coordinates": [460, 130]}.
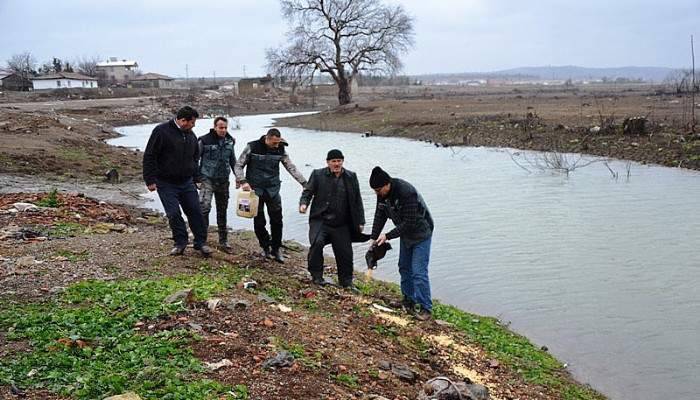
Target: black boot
{"type": "Point", "coordinates": [318, 280]}
{"type": "Point", "coordinates": [223, 242]}
{"type": "Point", "coordinates": [276, 255]}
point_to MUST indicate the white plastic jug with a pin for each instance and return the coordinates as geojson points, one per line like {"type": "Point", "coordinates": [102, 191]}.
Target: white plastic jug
{"type": "Point", "coordinates": [247, 204]}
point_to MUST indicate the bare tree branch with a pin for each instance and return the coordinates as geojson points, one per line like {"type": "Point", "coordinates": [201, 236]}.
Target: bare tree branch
{"type": "Point", "coordinates": [87, 65]}
{"type": "Point", "coordinates": [24, 65]}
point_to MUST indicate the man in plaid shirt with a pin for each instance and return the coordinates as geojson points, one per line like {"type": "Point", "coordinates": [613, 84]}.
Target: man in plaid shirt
{"type": "Point", "coordinates": [401, 202]}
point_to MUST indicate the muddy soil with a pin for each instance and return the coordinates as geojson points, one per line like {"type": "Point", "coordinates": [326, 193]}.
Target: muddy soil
{"type": "Point", "coordinates": [338, 330]}
{"type": "Point", "coordinates": [65, 139]}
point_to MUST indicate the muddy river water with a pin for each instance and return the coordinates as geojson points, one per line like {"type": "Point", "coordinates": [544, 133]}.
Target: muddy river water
{"type": "Point", "coordinates": [602, 271]}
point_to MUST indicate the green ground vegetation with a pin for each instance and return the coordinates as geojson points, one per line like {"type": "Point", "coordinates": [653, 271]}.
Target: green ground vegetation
{"type": "Point", "coordinates": [84, 344]}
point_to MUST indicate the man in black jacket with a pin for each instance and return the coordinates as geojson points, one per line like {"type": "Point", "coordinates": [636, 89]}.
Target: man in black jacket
{"type": "Point", "coordinates": [170, 167]}
{"type": "Point", "coordinates": [262, 159]}
{"type": "Point", "coordinates": [337, 217]}
{"type": "Point", "coordinates": [400, 201]}
{"type": "Point", "coordinates": [216, 161]}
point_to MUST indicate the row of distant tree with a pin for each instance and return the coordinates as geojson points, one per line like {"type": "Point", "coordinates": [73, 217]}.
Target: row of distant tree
{"type": "Point", "coordinates": [26, 65]}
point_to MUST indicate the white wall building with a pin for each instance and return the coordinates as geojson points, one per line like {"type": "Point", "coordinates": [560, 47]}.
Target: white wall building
{"type": "Point", "coordinates": [64, 80]}
{"type": "Point", "coordinates": [115, 71]}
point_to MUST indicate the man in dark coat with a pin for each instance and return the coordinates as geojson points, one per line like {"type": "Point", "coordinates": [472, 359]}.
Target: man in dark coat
{"type": "Point", "coordinates": [216, 161]}
{"type": "Point", "coordinates": [400, 201]}
{"type": "Point", "coordinates": [337, 217]}
{"type": "Point", "coordinates": [262, 158]}
{"type": "Point", "coordinates": [170, 166]}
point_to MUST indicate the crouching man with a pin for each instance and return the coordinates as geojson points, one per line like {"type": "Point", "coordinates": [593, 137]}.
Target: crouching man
{"type": "Point", "coordinates": [399, 200]}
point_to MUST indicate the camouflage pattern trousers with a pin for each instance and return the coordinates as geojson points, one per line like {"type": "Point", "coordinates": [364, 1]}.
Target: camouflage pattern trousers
{"type": "Point", "coordinates": [220, 191]}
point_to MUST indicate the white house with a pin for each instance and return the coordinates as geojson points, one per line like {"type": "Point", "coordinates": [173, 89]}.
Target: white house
{"type": "Point", "coordinates": [115, 71]}
{"type": "Point", "coordinates": [64, 80]}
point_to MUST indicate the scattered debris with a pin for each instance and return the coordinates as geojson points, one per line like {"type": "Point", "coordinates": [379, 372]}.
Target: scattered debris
{"type": "Point", "coordinates": [22, 207]}
{"type": "Point", "coordinates": [382, 308]}
{"type": "Point", "coordinates": [237, 304]}
{"type": "Point", "coordinates": [284, 308]}
{"type": "Point", "coordinates": [442, 388]}
{"type": "Point", "coordinates": [281, 360]}
{"type": "Point", "coordinates": [212, 304]}
{"type": "Point", "coordinates": [403, 372]}
{"type": "Point", "coordinates": [186, 296]}
{"type": "Point", "coordinates": [26, 262]}
{"type": "Point", "coordinates": [250, 285]}
{"type": "Point", "coordinates": [125, 396]}
{"type": "Point", "coordinates": [218, 365]}
{"type": "Point", "coordinates": [266, 299]}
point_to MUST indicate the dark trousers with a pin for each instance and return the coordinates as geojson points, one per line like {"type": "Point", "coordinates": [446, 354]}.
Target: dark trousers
{"type": "Point", "coordinates": [220, 191]}
{"type": "Point", "coordinates": [339, 238]}
{"type": "Point", "coordinates": [274, 210]}
{"type": "Point", "coordinates": [173, 196]}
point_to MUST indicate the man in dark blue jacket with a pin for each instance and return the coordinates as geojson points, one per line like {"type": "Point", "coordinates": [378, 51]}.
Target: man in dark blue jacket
{"type": "Point", "coordinates": [400, 201]}
{"type": "Point", "coordinates": [216, 161]}
{"type": "Point", "coordinates": [170, 165]}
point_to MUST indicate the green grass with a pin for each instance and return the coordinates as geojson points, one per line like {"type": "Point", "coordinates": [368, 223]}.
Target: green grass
{"type": "Point", "coordinates": [65, 229]}
{"type": "Point", "coordinates": [100, 353]}
{"type": "Point", "coordinates": [72, 154]}
{"type": "Point", "coordinates": [375, 287]}
{"type": "Point", "coordinates": [348, 380]}
{"type": "Point", "coordinates": [276, 293]}
{"type": "Point", "coordinates": [51, 200]}
{"type": "Point", "coordinates": [310, 304]}
{"type": "Point", "coordinates": [73, 256]}
{"type": "Point", "coordinates": [384, 330]}
{"type": "Point", "coordinates": [515, 351]}
{"type": "Point", "coordinates": [299, 352]}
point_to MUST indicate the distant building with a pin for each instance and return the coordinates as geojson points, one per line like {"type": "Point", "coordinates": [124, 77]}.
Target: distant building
{"type": "Point", "coordinates": [253, 86]}
{"type": "Point", "coordinates": [152, 80]}
{"type": "Point", "coordinates": [64, 80]}
{"type": "Point", "coordinates": [12, 81]}
{"type": "Point", "coordinates": [114, 71]}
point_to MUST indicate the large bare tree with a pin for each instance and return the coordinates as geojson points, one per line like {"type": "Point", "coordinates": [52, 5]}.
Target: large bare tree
{"type": "Point", "coordinates": [24, 65]}
{"type": "Point", "coordinates": [341, 38]}
{"type": "Point", "coordinates": [87, 65]}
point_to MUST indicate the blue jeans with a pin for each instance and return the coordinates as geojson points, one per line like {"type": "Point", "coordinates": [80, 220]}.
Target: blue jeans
{"type": "Point", "coordinates": [173, 196]}
{"type": "Point", "coordinates": [413, 267]}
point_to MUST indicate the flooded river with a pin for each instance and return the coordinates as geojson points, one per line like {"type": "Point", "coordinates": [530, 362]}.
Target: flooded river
{"type": "Point", "coordinates": [602, 271]}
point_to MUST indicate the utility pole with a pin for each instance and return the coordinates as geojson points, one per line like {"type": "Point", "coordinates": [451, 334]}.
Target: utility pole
{"type": "Point", "coordinates": [694, 88]}
{"type": "Point", "coordinates": [214, 77]}
{"type": "Point", "coordinates": [244, 71]}
{"type": "Point", "coordinates": [187, 75]}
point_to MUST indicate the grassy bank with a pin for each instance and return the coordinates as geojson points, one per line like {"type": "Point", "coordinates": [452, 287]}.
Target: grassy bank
{"type": "Point", "coordinates": [87, 318]}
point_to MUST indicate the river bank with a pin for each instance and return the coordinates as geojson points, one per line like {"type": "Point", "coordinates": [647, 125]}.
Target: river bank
{"type": "Point", "coordinates": [102, 257]}
{"type": "Point", "coordinates": [565, 120]}
{"type": "Point", "coordinates": [65, 140]}
{"type": "Point", "coordinates": [85, 252]}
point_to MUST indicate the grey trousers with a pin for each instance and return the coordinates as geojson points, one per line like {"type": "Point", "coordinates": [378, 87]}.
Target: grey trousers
{"type": "Point", "coordinates": [220, 191]}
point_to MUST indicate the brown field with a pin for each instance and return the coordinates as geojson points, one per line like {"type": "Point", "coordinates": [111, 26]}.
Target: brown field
{"type": "Point", "coordinates": [532, 117]}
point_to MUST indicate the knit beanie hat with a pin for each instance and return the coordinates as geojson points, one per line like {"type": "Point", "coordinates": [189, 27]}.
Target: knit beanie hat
{"type": "Point", "coordinates": [378, 178]}
{"type": "Point", "coordinates": [335, 154]}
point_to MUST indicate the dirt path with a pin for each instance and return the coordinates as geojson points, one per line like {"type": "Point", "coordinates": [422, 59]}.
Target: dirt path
{"type": "Point", "coordinates": [58, 105]}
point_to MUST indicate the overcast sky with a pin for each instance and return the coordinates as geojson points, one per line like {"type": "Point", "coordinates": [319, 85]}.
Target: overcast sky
{"type": "Point", "coordinates": [451, 35]}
